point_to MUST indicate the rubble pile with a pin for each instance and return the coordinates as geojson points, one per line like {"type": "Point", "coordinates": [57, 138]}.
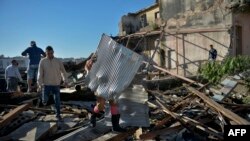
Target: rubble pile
{"type": "Point", "coordinates": [178, 111]}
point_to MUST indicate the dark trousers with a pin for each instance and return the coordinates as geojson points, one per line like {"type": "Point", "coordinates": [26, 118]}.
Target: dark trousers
{"type": "Point", "coordinates": [12, 83]}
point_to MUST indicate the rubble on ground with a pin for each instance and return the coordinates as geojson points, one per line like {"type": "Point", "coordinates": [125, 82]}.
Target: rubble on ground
{"type": "Point", "coordinates": [170, 109]}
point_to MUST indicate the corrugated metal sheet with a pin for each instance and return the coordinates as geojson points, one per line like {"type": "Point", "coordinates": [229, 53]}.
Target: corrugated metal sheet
{"type": "Point", "coordinates": [114, 69]}
{"type": "Point", "coordinates": [133, 107]}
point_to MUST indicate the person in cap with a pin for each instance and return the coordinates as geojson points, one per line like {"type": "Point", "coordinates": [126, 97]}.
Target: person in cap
{"type": "Point", "coordinates": [35, 53]}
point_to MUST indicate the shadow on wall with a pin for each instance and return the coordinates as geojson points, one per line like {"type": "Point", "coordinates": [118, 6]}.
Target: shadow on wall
{"type": "Point", "coordinates": [187, 62]}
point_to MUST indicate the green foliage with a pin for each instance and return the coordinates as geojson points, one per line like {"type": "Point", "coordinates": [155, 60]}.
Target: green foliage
{"type": "Point", "coordinates": [154, 26]}
{"type": "Point", "coordinates": [214, 71]}
{"type": "Point", "coordinates": [246, 100]}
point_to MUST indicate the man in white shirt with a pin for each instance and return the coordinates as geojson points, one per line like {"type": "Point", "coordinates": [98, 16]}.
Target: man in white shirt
{"type": "Point", "coordinates": [50, 74]}
{"type": "Point", "coordinates": [12, 76]}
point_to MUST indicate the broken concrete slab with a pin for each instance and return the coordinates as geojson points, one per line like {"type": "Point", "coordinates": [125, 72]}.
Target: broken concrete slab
{"type": "Point", "coordinates": [87, 132]}
{"type": "Point", "coordinates": [33, 131]}
{"type": "Point", "coordinates": [228, 87]}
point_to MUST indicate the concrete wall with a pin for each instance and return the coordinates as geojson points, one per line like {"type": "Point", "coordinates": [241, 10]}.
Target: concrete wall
{"type": "Point", "coordinates": [243, 20]}
{"type": "Point", "coordinates": [150, 14]}
{"type": "Point", "coordinates": [129, 24]}
{"type": "Point", "coordinates": [191, 48]}
{"type": "Point", "coordinates": [195, 13]}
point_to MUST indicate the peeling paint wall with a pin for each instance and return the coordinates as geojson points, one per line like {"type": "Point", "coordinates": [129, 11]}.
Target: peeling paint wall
{"type": "Point", "coordinates": [131, 23]}
{"type": "Point", "coordinates": [243, 20]}
{"type": "Point", "coordinates": [189, 50]}
{"type": "Point", "coordinates": [195, 13]}
{"type": "Point", "coordinates": [193, 50]}
{"type": "Point", "coordinates": [150, 16]}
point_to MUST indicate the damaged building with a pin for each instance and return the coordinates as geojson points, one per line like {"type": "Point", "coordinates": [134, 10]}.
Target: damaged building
{"type": "Point", "coordinates": [185, 29]}
{"type": "Point", "coordinates": [173, 37]}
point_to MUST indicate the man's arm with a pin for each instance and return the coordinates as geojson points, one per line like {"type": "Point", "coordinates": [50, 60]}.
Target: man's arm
{"type": "Point", "coordinates": [40, 73]}
{"type": "Point", "coordinates": [88, 66]}
{"type": "Point", "coordinates": [6, 73]}
{"type": "Point", "coordinates": [43, 53]}
{"type": "Point", "coordinates": [24, 53]}
{"type": "Point", "coordinates": [63, 72]}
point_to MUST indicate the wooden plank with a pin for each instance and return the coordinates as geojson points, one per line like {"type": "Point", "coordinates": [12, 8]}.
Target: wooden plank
{"type": "Point", "coordinates": [115, 136]}
{"type": "Point", "coordinates": [75, 111]}
{"type": "Point", "coordinates": [172, 114]}
{"type": "Point", "coordinates": [203, 127]}
{"type": "Point", "coordinates": [185, 121]}
{"type": "Point", "coordinates": [235, 105]}
{"type": "Point", "coordinates": [68, 90]}
{"type": "Point", "coordinates": [185, 100]}
{"type": "Point", "coordinates": [106, 136]}
{"type": "Point", "coordinates": [229, 114]}
{"type": "Point", "coordinates": [178, 76]}
{"type": "Point", "coordinates": [13, 114]}
{"type": "Point", "coordinates": [151, 135]}
{"type": "Point", "coordinates": [122, 136]}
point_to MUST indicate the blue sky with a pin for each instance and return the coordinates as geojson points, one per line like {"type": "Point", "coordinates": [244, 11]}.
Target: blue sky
{"type": "Point", "coordinates": [72, 27]}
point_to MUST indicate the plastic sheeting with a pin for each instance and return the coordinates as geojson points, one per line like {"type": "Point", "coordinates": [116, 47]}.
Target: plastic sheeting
{"type": "Point", "coordinates": [114, 69]}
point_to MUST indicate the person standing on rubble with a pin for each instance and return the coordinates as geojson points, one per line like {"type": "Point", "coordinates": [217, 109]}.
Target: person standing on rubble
{"type": "Point", "coordinates": [100, 102]}
{"type": "Point", "coordinates": [35, 54]}
{"type": "Point", "coordinates": [12, 76]}
{"type": "Point", "coordinates": [212, 53]}
{"type": "Point", "coordinates": [50, 74]}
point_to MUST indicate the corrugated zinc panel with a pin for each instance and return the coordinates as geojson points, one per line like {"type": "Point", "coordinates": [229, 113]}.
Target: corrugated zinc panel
{"type": "Point", "coordinates": [114, 69]}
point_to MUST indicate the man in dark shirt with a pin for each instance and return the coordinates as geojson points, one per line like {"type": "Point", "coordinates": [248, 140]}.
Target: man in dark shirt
{"type": "Point", "coordinates": [35, 53]}
{"type": "Point", "coordinates": [212, 53]}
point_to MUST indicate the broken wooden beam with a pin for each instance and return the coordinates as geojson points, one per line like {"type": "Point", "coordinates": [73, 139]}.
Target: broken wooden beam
{"type": "Point", "coordinates": [165, 109]}
{"type": "Point", "coordinates": [74, 111]}
{"type": "Point", "coordinates": [234, 105]}
{"type": "Point", "coordinates": [151, 135]}
{"type": "Point", "coordinates": [185, 100]}
{"type": "Point", "coordinates": [227, 113]}
{"type": "Point", "coordinates": [185, 121]}
{"type": "Point", "coordinates": [203, 127]}
{"type": "Point", "coordinates": [115, 136]}
{"type": "Point", "coordinates": [173, 74]}
{"type": "Point", "coordinates": [13, 114]}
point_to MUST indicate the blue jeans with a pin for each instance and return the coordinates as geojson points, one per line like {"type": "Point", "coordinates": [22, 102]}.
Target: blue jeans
{"type": "Point", "coordinates": [55, 90]}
